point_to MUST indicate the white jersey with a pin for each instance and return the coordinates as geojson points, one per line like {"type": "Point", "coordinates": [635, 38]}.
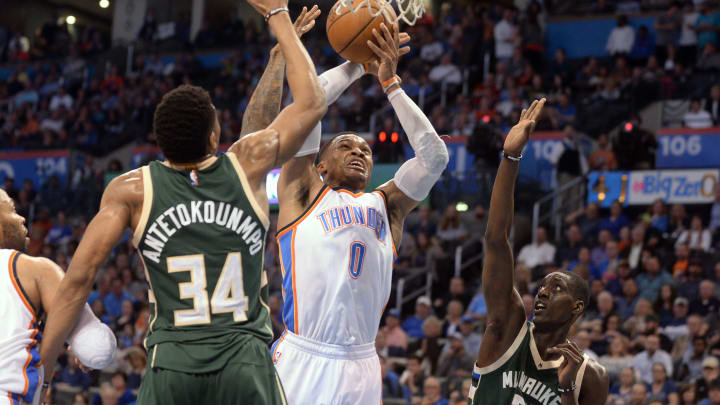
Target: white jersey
{"type": "Point", "coordinates": [20, 368]}
{"type": "Point", "coordinates": [337, 263]}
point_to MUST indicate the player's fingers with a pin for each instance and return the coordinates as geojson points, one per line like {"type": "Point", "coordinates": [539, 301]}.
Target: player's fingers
{"type": "Point", "coordinates": [308, 26]}
{"type": "Point", "coordinates": [301, 17]}
{"type": "Point", "coordinates": [404, 50]}
{"type": "Point", "coordinates": [315, 12]}
{"type": "Point", "coordinates": [379, 52]}
{"type": "Point", "coordinates": [380, 40]}
{"type": "Point", "coordinates": [404, 38]}
{"type": "Point", "coordinates": [531, 109]}
{"type": "Point", "coordinates": [538, 108]}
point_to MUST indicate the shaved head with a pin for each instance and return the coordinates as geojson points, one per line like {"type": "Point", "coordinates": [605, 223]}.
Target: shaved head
{"type": "Point", "coordinates": [578, 286]}
{"type": "Point", "coordinates": [12, 225]}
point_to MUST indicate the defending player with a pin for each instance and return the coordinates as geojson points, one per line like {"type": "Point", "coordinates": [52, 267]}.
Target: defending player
{"type": "Point", "coordinates": [521, 362]}
{"type": "Point", "coordinates": [27, 286]}
{"type": "Point", "coordinates": [337, 244]}
{"type": "Point", "coordinates": [199, 224]}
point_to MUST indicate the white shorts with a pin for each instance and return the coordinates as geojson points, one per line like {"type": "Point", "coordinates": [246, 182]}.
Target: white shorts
{"type": "Point", "coordinates": [323, 374]}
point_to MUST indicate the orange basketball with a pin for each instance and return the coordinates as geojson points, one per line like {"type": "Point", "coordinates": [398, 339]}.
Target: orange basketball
{"type": "Point", "coordinates": [349, 32]}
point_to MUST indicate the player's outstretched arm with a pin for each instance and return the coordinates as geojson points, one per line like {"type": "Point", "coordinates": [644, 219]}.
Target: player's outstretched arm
{"type": "Point", "coordinates": [265, 102]}
{"type": "Point", "coordinates": [102, 234]}
{"type": "Point", "coordinates": [416, 177]}
{"type": "Point", "coordinates": [505, 312]}
{"type": "Point", "coordinates": [260, 152]}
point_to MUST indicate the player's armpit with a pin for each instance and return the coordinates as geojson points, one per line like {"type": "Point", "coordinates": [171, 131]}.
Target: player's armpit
{"type": "Point", "coordinates": [299, 183]}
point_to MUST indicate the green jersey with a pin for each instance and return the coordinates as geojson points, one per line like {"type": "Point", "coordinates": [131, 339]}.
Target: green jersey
{"type": "Point", "coordinates": [201, 237]}
{"type": "Point", "coordinates": [520, 376]}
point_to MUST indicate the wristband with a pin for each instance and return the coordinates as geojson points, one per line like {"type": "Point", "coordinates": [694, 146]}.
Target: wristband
{"type": "Point", "coordinates": [389, 83]}
{"type": "Point", "coordinates": [510, 157]}
{"type": "Point", "coordinates": [276, 11]}
{"type": "Point", "coordinates": [566, 390]}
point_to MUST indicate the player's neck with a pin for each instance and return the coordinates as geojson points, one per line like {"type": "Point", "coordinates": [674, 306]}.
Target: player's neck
{"type": "Point", "coordinates": [199, 165]}
{"type": "Point", "coordinates": [332, 183]}
{"type": "Point", "coordinates": [545, 339]}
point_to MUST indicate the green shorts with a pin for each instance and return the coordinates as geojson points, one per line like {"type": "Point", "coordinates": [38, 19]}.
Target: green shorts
{"type": "Point", "coordinates": [250, 378]}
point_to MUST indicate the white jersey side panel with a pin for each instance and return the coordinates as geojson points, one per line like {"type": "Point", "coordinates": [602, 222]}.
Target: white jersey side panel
{"type": "Point", "coordinates": [337, 267]}
{"type": "Point", "coordinates": [20, 370]}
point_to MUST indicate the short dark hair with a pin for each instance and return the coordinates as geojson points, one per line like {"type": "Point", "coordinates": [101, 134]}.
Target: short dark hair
{"type": "Point", "coordinates": [327, 144]}
{"type": "Point", "coordinates": [183, 122]}
{"type": "Point", "coordinates": [121, 374]}
{"type": "Point", "coordinates": [579, 288]}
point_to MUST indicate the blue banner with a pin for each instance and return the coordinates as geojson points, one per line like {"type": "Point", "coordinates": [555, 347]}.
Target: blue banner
{"type": "Point", "coordinates": [606, 187]}
{"type": "Point", "coordinates": [688, 148]}
{"type": "Point", "coordinates": [37, 167]}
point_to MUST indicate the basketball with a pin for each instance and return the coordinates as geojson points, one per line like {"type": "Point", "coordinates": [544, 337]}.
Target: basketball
{"type": "Point", "coordinates": [349, 32]}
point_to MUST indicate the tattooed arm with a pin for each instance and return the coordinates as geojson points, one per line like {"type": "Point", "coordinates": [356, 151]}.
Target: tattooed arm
{"type": "Point", "coordinates": [265, 102]}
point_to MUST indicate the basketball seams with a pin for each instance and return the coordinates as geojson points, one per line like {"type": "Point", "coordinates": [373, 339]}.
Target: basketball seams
{"type": "Point", "coordinates": [360, 32]}
{"type": "Point", "coordinates": [372, 8]}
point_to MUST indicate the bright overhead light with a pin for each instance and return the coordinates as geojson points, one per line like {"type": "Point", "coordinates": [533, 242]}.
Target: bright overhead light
{"type": "Point", "coordinates": [104, 3]}
{"type": "Point", "coordinates": [461, 207]}
{"type": "Point", "coordinates": [70, 19]}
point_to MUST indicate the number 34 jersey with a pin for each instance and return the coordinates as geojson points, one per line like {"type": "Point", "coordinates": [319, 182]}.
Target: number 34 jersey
{"type": "Point", "coordinates": [337, 262]}
{"type": "Point", "coordinates": [201, 237]}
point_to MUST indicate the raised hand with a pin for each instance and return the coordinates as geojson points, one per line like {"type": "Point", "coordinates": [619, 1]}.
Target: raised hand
{"type": "Point", "coordinates": [265, 6]}
{"type": "Point", "coordinates": [572, 359]}
{"type": "Point", "coordinates": [373, 66]}
{"type": "Point", "coordinates": [388, 52]}
{"type": "Point", "coordinates": [306, 20]}
{"type": "Point", "coordinates": [520, 134]}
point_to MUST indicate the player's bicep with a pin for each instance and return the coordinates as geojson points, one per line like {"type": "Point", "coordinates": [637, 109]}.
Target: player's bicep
{"type": "Point", "coordinates": [46, 276]}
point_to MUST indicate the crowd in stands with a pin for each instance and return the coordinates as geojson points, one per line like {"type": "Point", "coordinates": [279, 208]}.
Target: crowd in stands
{"type": "Point", "coordinates": [653, 317]}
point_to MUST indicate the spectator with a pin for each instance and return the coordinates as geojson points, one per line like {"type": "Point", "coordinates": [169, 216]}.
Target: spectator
{"type": "Point", "coordinates": [667, 26]}
{"type": "Point", "coordinates": [643, 47]}
{"type": "Point", "coordinates": [477, 308]}
{"type": "Point", "coordinates": [451, 230]}
{"type": "Point", "coordinates": [588, 219]}
{"type": "Point", "coordinates": [663, 305]}
{"type": "Point", "coordinates": [621, 390]}
{"type": "Point", "coordinates": [582, 340]}
{"type": "Point", "coordinates": [615, 220]}
{"type": "Point", "coordinates": [693, 358]}
{"type": "Point", "coordinates": [608, 268]}
{"type": "Point", "coordinates": [621, 38]}
{"type": "Point", "coordinates": [652, 279]}
{"type": "Point", "coordinates": [633, 252]}
{"type": "Point", "coordinates": [706, 304]}
{"type": "Point", "coordinates": [426, 223]}
{"type": "Point", "coordinates": [114, 299]}
{"type": "Point", "coordinates": [149, 28]}
{"type": "Point", "coordinates": [107, 395]}
{"type": "Point", "coordinates": [541, 252]}
{"type": "Point", "coordinates": [456, 364]}
{"type": "Point", "coordinates": [706, 26]}
{"type": "Point", "coordinates": [413, 325]}
{"type": "Point", "coordinates": [710, 372]}
{"type": "Point", "coordinates": [678, 220]}
{"type": "Point", "coordinates": [72, 375]}
{"type": "Point", "coordinates": [603, 158]}
{"type": "Point", "coordinates": [712, 106]}
{"type": "Point", "coordinates": [710, 58]}
{"type": "Point", "coordinates": [616, 284]}
{"type": "Point", "coordinates": [687, 52]}
{"type": "Point", "coordinates": [582, 265]}
{"type": "Point", "coordinates": [677, 325]}
{"type": "Point", "coordinates": [390, 381]}
{"type": "Point", "coordinates": [661, 387]}
{"type": "Point", "coordinates": [471, 339]}
{"type": "Point", "coordinates": [451, 324]}
{"type": "Point", "coordinates": [137, 362]}
{"type": "Point", "coordinates": [713, 393]}
{"type": "Point", "coordinates": [644, 361]}
{"type": "Point", "coordinates": [617, 363]}
{"type": "Point", "coordinates": [569, 250]}
{"type": "Point", "coordinates": [413, 378]}
{"type": "Point", "coordinates": [431, 392]}
{"type": "Point", "coordinates": [659, 218]}
{"type": "Point", "coordinates": [395, 336]}
{"type": "Point", "coordinates": [446, 72]}
{"type": "Point", "coordinates": [61, 99]}
{"type": "Point", "coordinates": [569, 160]}
{"type": "Point", "coordinates": [697, 238]}
{"type": "Point", "coordinates": [505, 33]}
{"type": "Point", "coordinates": [627, 303]}
{"type": "Point", "coordinates": [457, 291]}
{"type": "Point", "coordinates": [638, 394]}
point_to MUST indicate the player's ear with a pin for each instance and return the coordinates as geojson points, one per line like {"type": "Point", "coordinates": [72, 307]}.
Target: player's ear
{"type": "Point", "coordinates": [213, 142]}
{"type": "Point", "coordinates": [579, 308]}
{"type": "Point", "coordinates": [322, 168]}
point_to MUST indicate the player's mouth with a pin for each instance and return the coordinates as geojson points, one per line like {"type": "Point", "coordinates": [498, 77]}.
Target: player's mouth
{"type": "Point", "coordinates": [540, 306]}
{"type": "Point", "coordinates": [357, 165]}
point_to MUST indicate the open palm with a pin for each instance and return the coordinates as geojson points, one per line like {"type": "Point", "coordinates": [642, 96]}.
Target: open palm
{"type": "Point", "coordinates": [520, 134]}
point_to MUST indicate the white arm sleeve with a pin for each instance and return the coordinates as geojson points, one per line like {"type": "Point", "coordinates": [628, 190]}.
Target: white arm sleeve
{"type": "Point", "coordinates": [335, 81]}
{"type": "Point", "coordinates": [92, 341]}
{"type": "Point", "coordinates": [417, 176]}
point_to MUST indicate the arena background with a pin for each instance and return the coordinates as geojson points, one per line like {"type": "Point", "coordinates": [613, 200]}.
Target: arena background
{"type": "Point", "coordinates": [619, 183]}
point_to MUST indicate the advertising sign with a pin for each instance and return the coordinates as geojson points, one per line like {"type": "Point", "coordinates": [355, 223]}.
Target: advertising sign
{"type": "Point", "coordinates": [672, 186]}
{"type": "Point", "coordinates": [35, 166]}
{"type": "Point", "coordinates": [688, 148]}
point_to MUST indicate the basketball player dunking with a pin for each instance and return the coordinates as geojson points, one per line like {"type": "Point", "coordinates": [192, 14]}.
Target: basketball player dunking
{"type": "Point", "coordinates": [27, 287]}
{"type": "Point", "coordinates": [521, 362]}
{"type": "Point", "coordinates": [337, 243]}
{"type": "Point", "coordinates": [199, 223]}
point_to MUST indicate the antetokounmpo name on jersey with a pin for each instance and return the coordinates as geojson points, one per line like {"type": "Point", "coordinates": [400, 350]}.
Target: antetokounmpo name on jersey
{"type": "Point", "coordinates": [517, 380]}
{"type": "Point", "coordinates": [348, 215]}
{"type": "Point", "coordinates": [201, 212]}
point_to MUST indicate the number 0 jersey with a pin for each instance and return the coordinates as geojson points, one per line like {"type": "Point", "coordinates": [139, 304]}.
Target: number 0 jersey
{"type": "Point", "coordinates": [337, 263]}
{"type": "Point", "coordinates": [520, 376]}
{"type": "Point", "coordinates": [201, 237]}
